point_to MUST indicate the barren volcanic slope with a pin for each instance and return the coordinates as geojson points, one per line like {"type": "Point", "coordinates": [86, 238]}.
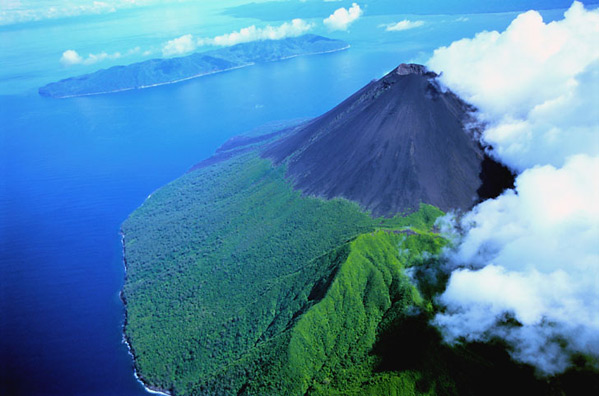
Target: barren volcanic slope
{"type": "Point", "coordinates": [395, 143]}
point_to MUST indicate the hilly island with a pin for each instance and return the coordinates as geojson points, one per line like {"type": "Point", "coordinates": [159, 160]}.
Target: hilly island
{"type": "Point", "coordinates": [155, 72]}
{"type": "Point", "coordinates": [305, 261]}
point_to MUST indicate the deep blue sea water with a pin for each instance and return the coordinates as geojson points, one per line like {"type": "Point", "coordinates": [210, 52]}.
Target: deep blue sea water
{"type": "Point", "coordinates": [72, 170]}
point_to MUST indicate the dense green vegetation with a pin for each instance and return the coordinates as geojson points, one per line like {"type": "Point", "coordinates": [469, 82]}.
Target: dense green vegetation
{"type": "Point", "coordinates": [225, 260]}
{"type": "Point", "coordinates": [329, 349]}
{"type": "Point", "coordinates": [237, 284]}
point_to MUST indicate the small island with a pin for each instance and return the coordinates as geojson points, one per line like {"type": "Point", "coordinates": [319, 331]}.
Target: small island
{"type": "Point", "coordinates": [155, 72]}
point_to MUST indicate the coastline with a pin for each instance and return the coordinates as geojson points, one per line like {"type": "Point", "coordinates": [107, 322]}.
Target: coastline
{"type": "Point", "coordinates": [199, 75]}
{"type": "Point", "coordinates": [154, 85]}
{"type": "Point", "coordinates": [125, 339]}
{"type": "Point", "coordinates": [130, 350]}
{"type": "Point", "coordinates": [314, 53]}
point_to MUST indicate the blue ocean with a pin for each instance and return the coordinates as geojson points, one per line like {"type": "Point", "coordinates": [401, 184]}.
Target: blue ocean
{"type": "Point", "coordinates": [71, 170]}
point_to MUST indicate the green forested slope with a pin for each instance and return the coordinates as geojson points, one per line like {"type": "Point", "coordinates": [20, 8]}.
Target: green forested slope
{"type": "Point", "coordinates": [229, 259]}
{"type": "Point", "coordinates": [239, 285]}
{"type": "Point", "coordinates": [330, 347]}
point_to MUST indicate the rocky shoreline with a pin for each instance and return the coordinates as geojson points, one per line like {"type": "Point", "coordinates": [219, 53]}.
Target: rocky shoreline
{"type": "Point", "coordinates": [149, 388]}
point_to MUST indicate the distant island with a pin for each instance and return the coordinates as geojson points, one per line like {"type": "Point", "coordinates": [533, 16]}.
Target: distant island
{"type": "Point", "coordinates": [156, 72]}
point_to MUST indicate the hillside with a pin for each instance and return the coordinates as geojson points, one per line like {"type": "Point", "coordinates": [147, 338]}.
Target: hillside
{"type": "Point", "coordinates": [223, 262]}
{"type": "Point", "coordinates": [239, 285]}
{"type": "Point", "coordinates": [161, 71]}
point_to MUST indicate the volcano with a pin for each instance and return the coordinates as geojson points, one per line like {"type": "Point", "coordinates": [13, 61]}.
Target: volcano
{"type": "Point", "coordinates": [249, 276]}
{"type": "Point", "coordinates": [398, 142]}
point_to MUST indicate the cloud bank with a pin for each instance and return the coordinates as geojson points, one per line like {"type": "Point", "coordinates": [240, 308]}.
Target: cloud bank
{"type": "Point", "coordinates": [295, 28]}
{"type": "Point", "coordinates": [71, 57]}
{"type": "Point", "coordinates": [406, 24]}
{"type": "Point", "coordinates": [532, 254]}
{"type": "Point", "coordinates": [188, 43]}
{"type": "Point", "coordinates": [533, 85]}
{"type": "Point", "coordinates": [343, 17]}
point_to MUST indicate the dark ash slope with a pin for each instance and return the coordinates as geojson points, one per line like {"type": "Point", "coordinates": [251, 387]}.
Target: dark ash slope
{"type": "Point", "coordinates": [395, 143]}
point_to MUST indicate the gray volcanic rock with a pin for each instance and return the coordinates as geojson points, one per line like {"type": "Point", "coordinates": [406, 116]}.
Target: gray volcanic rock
{"type": "Point", "coordinates": [412, 68]}
{"type": "Point", "coordinates": [397, 142]}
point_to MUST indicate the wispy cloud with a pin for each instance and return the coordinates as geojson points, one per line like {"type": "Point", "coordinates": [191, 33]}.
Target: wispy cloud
{"type": "Point", "coordinates": [343, 17]}
{"type": "Point", "coordinates": [531, 255]}
{"type": "Point", "coordinates": [188, 43]}
{"type": "Point", "coordinates": [71, 57]}
{"type": "Point", "coordinates": [13, 12]}
{"type": "Point", "coordinates": [295, 28]}
{"type": "Point", "coordinates": [402, 25]}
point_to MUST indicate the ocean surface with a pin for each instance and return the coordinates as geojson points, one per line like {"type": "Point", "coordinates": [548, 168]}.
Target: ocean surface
{"type": "Point", "coordinates": [72, 170]}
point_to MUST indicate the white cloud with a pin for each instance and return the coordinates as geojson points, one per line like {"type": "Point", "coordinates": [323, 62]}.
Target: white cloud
{"type": "Point", "coordinates": [180, 45]}
{"type": "Point", "coordinates": [71, 57]}
{"type": "Point", "coordinates": [189, 43]}
{"type": "Point", "coordinates": [535, 256]}
{"type": "Point", "coordinates": [342, 17]}
{"type": "Point", "coordinates": [295, 28]}
{"type": "Point", "coordinates": [532, 254]}
{"type": "Point", "coordinates": [527, 83]}
{"type": "Point", "coordinates": [406, 24]}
